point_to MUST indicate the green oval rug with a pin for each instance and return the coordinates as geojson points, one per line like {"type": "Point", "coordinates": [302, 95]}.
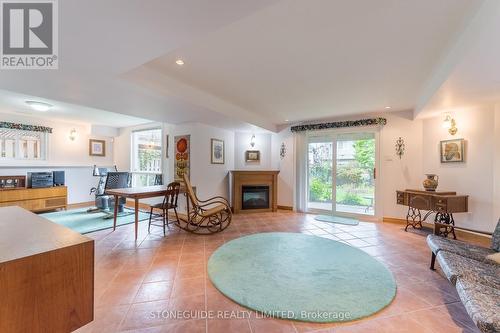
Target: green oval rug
{"type": "Point", "coordinates": [301, 277]}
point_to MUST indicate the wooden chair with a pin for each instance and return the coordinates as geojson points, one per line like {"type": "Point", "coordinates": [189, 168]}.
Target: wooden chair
{"type": "Point", "coordinates": [169, 202]}
{"type": "Point", "coordinates": [206, 216]}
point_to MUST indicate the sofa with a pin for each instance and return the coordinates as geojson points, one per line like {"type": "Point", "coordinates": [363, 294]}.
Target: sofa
{"type": "Point", "coordinates": [473, 272]}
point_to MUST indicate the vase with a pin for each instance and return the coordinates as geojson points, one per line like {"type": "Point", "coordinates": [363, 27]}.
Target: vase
{"type": "Point", "coordinates": [431, 182]}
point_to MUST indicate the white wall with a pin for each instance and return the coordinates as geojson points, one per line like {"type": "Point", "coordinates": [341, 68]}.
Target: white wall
{"type": "Point", "coordinates": [262, 144]}
{"type": "Point", "coordinates": [285, 165]}
{"type": "Point", "coordinates": [476, 177]}
{"type": "Point", "coordinates": [209, 179]}
{"type": "Point", "coordinates": [64, 154]}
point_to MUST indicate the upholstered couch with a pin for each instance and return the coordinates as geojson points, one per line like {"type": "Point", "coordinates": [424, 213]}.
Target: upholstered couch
{"type": "Point", "coordinates": [475, 275]}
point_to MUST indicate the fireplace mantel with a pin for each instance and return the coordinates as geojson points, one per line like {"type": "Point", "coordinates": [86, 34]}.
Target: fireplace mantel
{"type": "Point", "coordinates": [240, 178]}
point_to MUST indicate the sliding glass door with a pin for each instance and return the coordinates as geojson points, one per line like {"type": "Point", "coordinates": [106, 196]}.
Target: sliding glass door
{"type": "Point", "coordinates": [341, 173]}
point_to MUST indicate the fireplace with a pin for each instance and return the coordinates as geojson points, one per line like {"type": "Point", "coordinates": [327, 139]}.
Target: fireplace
{"type": "Point", "coordinates": [254, 191]}
{"type": "Point", "coordinates": [254, 197]}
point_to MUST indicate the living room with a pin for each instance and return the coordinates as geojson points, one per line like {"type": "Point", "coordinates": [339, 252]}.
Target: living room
{"type": "Point", "coordinates": [265, 166]}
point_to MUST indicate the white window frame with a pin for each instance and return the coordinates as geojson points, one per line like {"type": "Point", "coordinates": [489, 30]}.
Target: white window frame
{"type": "Point", "coordinates": [150, 175]}
{"type": "Point", "coordinates": [18, 137]}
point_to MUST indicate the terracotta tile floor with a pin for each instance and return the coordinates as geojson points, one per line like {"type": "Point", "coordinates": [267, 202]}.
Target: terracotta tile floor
{"type": "Point", "coordinates": [136, 281]}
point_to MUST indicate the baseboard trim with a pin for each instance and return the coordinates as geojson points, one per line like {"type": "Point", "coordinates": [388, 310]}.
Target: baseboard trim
{"type": "Point", "coordinates": [285, 207]}
{"type": "Point", "coordinates": [81, 205]}
{"type": "Point", "coordinates": [464, 235]}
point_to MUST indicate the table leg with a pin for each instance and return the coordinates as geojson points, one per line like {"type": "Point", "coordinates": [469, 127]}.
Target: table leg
{"type": "Point", "coordinates": [115, 212]}
{"type": "Point", "coordinates": [136, 208]}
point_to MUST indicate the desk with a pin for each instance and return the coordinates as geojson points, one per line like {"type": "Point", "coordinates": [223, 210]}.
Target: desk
{"type": "Point", "coordinates": [137, 193]}
{"type": "Point", "coordinates": [46, 274]}
{"type": "Point", "coordinates": [443, 204]}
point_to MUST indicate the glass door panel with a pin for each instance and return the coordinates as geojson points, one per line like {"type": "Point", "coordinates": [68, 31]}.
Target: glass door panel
{"type": "Point", "coordinates": [320, 175]}
{"type": "Point", "coordinates": [355, 173]}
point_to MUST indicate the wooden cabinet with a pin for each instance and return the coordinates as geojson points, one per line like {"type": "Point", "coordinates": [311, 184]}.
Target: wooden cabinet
{"type": "Point", "coordinates": [35, 199]}
{"type": "Point", "coordinates": [46, 275]}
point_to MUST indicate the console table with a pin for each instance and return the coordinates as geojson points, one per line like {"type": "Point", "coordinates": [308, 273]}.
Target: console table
{"type": "Point", "coordinates": [443, 204]}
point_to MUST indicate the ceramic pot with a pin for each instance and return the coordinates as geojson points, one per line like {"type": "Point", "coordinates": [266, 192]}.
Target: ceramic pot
{"type": "Point", "coordinates": [431, 182]}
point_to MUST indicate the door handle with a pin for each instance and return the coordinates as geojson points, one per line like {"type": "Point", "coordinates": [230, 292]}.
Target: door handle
{"type": "Point", "coordinates": [374, 173]}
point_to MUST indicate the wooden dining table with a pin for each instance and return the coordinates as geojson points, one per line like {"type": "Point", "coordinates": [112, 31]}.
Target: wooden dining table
{"type": "Point", "coordinates": [137, 193]}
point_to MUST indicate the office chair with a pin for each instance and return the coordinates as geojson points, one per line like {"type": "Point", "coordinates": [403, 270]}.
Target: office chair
{"type": "Point", "coordinates": [113, 180]}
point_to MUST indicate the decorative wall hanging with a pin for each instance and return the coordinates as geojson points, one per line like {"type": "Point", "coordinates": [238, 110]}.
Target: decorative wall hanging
{"type": "Point", "coordinates": [452, 151]}
{"type": "Point", "coordinates": [182, 156]}
{"type": "Point", "coordinates": [97, 147]}
{"type": "Point", "coordinates": [33, 128]}
{"type": "Point", "coordinates": [282, 150]}
{"type": "Point", "coordinates": [400, 147]}
{"type": "Point", "coordinates": [217, 151]}
{"type": "Point", "coordinates": [339, 124]}
{"type": "Point", "coordinates": [252, 156]}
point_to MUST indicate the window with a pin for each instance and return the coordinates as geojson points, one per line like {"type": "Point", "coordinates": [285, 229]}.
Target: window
{"type": "Point", "coordinates": [22, 145]}
{"type": "Point", "coordinates": [146, 156]}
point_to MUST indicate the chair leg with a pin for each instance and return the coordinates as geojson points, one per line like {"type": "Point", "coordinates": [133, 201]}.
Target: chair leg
{"type": "Point", "coordinates": [176, 216]}
{"type": "Point", "coordinates": [150, 216]}
{"type": "Point", "coordinates": [166, 216]}
{"type": "Point", "coordinates": [164, 221]}
{"type": "Point", "coordinates": [433, 261]}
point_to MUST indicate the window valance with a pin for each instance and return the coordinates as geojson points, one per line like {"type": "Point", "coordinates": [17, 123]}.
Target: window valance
{"type": "Point", "coordinates": [339, 124]}
{"type": "Point", "coordinates": [23, 127]}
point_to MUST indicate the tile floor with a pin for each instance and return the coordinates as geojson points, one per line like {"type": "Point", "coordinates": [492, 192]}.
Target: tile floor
{"type": "Point", "coordinates": [137, 283]}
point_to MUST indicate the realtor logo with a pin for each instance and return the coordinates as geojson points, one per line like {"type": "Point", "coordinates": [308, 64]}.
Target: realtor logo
{"type": "Point", "coordinates": [28, 34]}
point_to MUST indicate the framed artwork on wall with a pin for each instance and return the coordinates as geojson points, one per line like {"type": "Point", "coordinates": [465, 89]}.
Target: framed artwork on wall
{"type": "Point", "coordinates": [217, 151]}
{"type": "Point", "coordinates": [182, 156]}
{"type": "Point", "coordinates": [452, 151]}
{"type": "Point", "coordinates": [252, 156]}
{"type": "Point", "coordinates": [97, 147]}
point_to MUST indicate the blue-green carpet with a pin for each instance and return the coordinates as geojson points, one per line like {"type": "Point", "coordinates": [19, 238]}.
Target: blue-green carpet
{"type": "Point", "coordinates": [336, 219]}
{"type": "Point", "coordinates": [81, 221]}
{"type": "Point", "coordinates": [301, 277]}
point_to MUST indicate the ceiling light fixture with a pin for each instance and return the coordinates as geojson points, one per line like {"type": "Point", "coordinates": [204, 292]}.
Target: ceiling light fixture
{"type": "Point", "coordinates": [387, 107]}
{"type": "Point", "coordinates": [39, 106]}
{"type": "Point", "coordinates": [179, 62]}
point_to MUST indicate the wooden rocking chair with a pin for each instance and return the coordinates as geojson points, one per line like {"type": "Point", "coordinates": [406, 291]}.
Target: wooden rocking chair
{"type": "Point", "coordinates": [206, 216]}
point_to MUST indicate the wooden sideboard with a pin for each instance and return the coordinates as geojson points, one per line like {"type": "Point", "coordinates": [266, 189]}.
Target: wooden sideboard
{"type": "Point", "coordinates": [442, 203]}
{"type": "Point", "coordinates": [35, 199]}
{"type": "Point", "coordinates": [46, 274]}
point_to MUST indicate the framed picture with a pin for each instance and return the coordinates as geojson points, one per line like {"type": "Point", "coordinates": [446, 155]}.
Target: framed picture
{"type": "Point", "coordinates": [182, 156]}
{"type": "Point", "coordinates": [97, 147]}
{"type": "Point", "coordinates": [252, 156]}
{"type": "Point", "coordinates": [452, 151]}
{"type": "Point", "coordinates": [217, 151]}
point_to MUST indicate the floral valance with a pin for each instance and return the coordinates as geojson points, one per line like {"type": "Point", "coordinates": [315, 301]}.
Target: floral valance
{"type": "Point", "coordinates": [33, 128]}
{"type": "Point", "coordinates": [339, 124]}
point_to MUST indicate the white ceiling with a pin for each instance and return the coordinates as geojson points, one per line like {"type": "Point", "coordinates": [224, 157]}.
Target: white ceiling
{"type": "Point", "coordinates": [263, 61]}
{"type": "Point", "coordinates": [16, 103]}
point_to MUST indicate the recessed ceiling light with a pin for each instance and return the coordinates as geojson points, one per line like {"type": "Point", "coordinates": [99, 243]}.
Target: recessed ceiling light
{"type": "Point", "coordinates": [387, 107]}
{"type": "Point", "coordinates": [39, 106]}
{"type": "Point", "coordinates": [286, 120]}
{"type": "Point", "coordinates": [179, 62]}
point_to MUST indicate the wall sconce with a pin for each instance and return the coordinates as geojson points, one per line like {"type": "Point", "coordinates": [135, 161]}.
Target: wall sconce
{"type": "Point", "coordinates": [252, 141]}
{"type": "Point", "coordinates": [450, 124]}
{"type": "Point", "coordinates": [400, 147]}
{"type": "Point", "coordinates": [72, 134]}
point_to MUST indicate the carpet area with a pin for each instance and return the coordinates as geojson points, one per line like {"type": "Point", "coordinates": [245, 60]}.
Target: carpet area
{"type": "Point", "coordinates": [336, 219]}
{"type": "Point", "coordinates": [301, 277]}
{"type": "Point", "coordinates": [81, 221]}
